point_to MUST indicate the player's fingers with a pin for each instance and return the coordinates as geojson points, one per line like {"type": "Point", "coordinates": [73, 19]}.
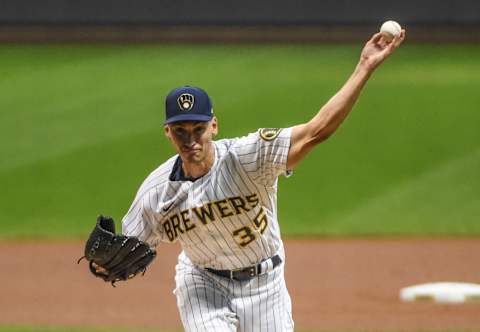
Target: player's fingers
{"type": "Point", "coordinates": [376, 38]}
{"type": "Point", "coordinates": [98, 268]}
{"type": "Point", "coordinates": [389, 49]}
{"type": "Point", "coordinates": [401, 38]}
{"type": "Point", "coordinates": [383, 43]}
{"type": "Point", "coordinates": [397, 40]}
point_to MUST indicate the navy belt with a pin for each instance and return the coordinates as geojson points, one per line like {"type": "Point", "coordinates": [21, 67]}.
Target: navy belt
{"type": "Point", "coordinates": [248, 272]}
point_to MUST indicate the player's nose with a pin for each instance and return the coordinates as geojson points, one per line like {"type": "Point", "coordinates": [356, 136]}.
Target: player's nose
{"type": "Point", "coordinates": [189, 143]}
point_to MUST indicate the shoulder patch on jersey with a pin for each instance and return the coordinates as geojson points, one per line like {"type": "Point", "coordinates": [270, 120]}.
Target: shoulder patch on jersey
{"type": "Point", "coordinates": [269, 134]}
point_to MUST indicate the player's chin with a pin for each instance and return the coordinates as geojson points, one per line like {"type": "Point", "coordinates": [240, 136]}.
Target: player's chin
{"type": "Point", "coordinates": [196, 159]}
{"type": "Point", "coordinates": [194, 155]}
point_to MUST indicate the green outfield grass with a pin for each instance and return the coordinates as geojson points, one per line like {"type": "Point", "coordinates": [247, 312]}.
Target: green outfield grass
{"type": "Point", "coordinates": [81, 127]}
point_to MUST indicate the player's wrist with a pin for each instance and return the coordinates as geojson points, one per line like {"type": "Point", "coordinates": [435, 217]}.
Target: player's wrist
{"type": "Point", "coordinates": [364, 68]}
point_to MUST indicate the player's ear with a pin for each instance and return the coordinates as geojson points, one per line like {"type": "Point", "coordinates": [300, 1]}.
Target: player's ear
{"type": "Point", "coordinates": [166, 130]}
{"type": "Point", "coordinates": [214, 125]}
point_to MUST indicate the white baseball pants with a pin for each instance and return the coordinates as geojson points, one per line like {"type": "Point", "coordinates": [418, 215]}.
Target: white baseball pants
{"type": "Point", "coordinates": [208, 302]}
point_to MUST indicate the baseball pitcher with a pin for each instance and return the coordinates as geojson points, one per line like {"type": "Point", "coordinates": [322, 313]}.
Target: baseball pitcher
{"type": "Point", "coordinates": [218, 198]}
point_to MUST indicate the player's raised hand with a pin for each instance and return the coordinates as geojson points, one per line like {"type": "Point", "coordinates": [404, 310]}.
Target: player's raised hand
{"type": "Point", "coordinates": [377, 49]}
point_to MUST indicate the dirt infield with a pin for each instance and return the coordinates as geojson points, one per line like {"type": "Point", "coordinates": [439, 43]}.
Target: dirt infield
{"type": "Point", "coordinates": [335, 284]}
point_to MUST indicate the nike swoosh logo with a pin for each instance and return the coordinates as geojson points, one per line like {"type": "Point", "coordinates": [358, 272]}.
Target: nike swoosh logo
{"type": "Point", "coordinates": [166, 208]}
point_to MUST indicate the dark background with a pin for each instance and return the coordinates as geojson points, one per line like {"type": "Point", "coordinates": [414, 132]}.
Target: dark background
{"type": "Point", "coordinates": [233, 21]}
{"type": "Point", "coordinates": [245, 12]}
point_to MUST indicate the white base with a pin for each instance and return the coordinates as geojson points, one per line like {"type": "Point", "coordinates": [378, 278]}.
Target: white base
{"type": "Point", "coordinates": [442, 292]}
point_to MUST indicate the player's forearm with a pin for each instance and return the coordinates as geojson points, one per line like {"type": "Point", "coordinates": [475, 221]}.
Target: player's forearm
{"type": "Point", "coordinates": [334, 112]}
{"type": "Point", "coordinates": [306, 136]}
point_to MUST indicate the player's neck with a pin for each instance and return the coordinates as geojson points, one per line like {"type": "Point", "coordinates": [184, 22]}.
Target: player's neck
{"type": "Point", "coordinates": [200, 168]}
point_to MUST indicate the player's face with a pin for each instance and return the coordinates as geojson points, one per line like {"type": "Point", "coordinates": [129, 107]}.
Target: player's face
{"type": "Point", "coordinates": [192, 139]}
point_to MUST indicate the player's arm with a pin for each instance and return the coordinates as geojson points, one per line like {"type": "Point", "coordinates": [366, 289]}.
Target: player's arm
{"type": "Point", "coordinates": [306, 136]}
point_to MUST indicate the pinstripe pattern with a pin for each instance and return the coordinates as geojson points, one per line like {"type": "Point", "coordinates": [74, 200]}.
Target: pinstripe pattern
{"type": "Point", "coordinates": [225, 220]}
{"type": "Point", "coordinates": [208, 302]}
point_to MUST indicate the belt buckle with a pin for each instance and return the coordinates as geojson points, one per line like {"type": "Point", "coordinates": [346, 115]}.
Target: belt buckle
{"type": "Point", "coordinates": [251, 272]}
{"type": "Point", "coordinates": [234, 271]}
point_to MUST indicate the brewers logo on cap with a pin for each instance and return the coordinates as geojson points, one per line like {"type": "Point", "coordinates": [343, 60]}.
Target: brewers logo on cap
{"type": "Point", "coordinates": [186, 101]}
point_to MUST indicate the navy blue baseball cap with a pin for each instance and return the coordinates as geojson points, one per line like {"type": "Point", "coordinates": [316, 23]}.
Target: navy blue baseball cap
{"type": "Point", "coordinates": [188, 103]}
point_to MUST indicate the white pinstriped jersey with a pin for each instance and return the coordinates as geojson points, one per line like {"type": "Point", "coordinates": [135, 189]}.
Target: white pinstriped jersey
{"type": "Point", "coordinates": [226, 219]}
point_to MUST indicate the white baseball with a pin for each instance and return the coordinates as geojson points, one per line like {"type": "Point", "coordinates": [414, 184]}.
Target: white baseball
{"type": "Point", "coordinates": [390, 29]}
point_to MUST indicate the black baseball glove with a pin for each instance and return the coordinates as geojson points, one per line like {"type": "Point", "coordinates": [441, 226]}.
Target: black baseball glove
{"type": "Point", "coordinates": [114, 257]}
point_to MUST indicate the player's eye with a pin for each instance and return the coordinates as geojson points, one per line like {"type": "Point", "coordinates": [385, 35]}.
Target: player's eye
{"type": "Point", "coordinates": [199, 130]}
{"type": "Point", "coordinates": [179, 131]}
